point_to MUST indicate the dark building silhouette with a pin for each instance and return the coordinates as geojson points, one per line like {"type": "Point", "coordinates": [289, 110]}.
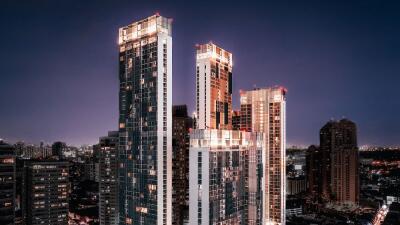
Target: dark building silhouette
{"type": "Point", "coordinates": [108, 184]}
{"type": "Point", "coordinates": [19, 190]}
{"type": "Point", "coordinates": [46, 192]}
{"type": "Point", "coordinates": [295, 185]}
{"type": "Point", "coordinates": [7, 184]}
{"type": "Point", "coordinates": [57, 149]}
{"type": "Point", "coordinates": [236, 120]}
{"type": "Point", "coordinates": [181, 125]}
{"type": "Point", "coordinates": [245, 116]}
{"type": "Point", "coordinates": [339, 152]}
{"type": "Point", "coordinates": [314, 171]}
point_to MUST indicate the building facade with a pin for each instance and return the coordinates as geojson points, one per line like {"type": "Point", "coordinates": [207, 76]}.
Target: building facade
{"type": "Point", "coordinates": [181, 126]}
{"type": "Point", "coordinates": [340, 162]}
{"type": "Point", "coordinates": [264, 110]}
{"type": "Point", "coordinates": [296, 185]}
{"type": "Point", "coordinates": [225, 177]}
{"type": "Point", "coordinates": [145, 122]}
{"type": "Point", "coordinates": [46, 193]}
{"type": "Point", "coordinates": [108, 181]}
{"type": "Point", "coordinates": [58, 148]}
{"type": "Point", "coordinates": [213, 87]}
{"type": "Point", "coordinates": [236, 120]}
{"type": "Point", "coordinates": [314, 172]}
{"type": "Point", "coordinates": [7, 183]}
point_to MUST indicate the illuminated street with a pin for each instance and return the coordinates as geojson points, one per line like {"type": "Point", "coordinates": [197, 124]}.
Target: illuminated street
{"type": "Point", "coordinates": [380, 215]}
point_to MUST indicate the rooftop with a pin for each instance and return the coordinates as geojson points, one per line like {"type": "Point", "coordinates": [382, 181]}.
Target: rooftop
{"type": "Point", "coordinates": [145, 27]}
{"type": "Point", "coordinates": [210, 50]}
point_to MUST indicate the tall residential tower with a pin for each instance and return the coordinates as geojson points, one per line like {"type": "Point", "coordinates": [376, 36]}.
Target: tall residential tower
{"type": "Point", "coordinates": [213, 87]}
{"type": "Point", "coordinates": [145, 122]}
{"type": "Point", "coordinates": [340, 163]}
{"type": "Point", "coordinates": [224, 178]}
{"type": "Point", "coordinates": [264, 110]}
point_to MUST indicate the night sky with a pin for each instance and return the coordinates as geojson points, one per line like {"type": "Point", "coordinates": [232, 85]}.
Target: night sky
{"type": "Point", "coordinates": [59, 73]}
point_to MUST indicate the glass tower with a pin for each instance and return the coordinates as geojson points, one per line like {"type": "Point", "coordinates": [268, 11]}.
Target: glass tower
{"type": "Point", "coordinates": [145, 122]}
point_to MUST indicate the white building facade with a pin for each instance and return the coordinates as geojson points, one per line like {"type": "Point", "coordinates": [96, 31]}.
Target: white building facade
{"type": "Point", "coordinates": [224, 177]}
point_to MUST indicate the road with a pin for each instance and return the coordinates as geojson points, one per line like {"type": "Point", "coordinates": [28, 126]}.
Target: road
{"type": "Point", "coordinates": [380, 215]}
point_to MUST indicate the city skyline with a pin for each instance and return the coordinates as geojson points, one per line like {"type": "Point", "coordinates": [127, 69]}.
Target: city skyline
{"type": "Point", "coordinates": [220, 143]}
{"type": "Point", "coordinates": [328, 65]}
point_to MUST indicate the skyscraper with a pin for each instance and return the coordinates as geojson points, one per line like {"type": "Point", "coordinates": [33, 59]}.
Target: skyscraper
{"type": "Point", "coordinates": [340, 173]}
{"type": "Point", "coordinates": [213, 87]}
{"type": "Point", "coordinates": [225, 179]}
{"type": "Point", "coordinates": [264, 110]}
{"type": "Point", "coordinates": [7, 184]}
{"type": "Point", "coordinates": [46, 193]}
{"type": "Point", "coordinates": [145, 122]}
{"type": "Point", "coordinates": [108, 184]}
{"type": "Point", "coordinates": [181, 125]}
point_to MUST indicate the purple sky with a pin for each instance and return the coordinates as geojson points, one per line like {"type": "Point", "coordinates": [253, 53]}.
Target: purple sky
{"type": "Point", "coordinates": [59, 75]}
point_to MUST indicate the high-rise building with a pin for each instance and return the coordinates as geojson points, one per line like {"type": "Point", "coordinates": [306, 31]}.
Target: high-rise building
{"type": "Point", "coordinates": [58, 148]}
{"type": "Point", "coordinates": [264, 110]}
{"type": "Point", "coordinates": [108, 182]}
{"type": "Point", "coordinates": [236, 120]}
{"type": "Point", "coordinates": [225, 177]}
{"type": "Point", "coordinates": [181, 125]}
{"type": "Point", "coordinates": [45, 150]}
{"type": "Point", "coordinates": [145, 122]}
{"type": "Point", "coordinates": [213, 87]}
{"type": "Point", "coordinates": [340, 163]}
{"type": "Point", "coordinates": [19, 148]}
{"type": "Point", "coordinates": [19, 190]}
{"type": "Point", "coordinates": [7, 184]}
{"type": "Point", "coordinates": [314, 171]}
{"type": "Point", "coordinates": [46, 193]}
{"type": "Point", "coordinates": [91, 169]}
{"type": "Point", "coordinates": [31, 152]}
